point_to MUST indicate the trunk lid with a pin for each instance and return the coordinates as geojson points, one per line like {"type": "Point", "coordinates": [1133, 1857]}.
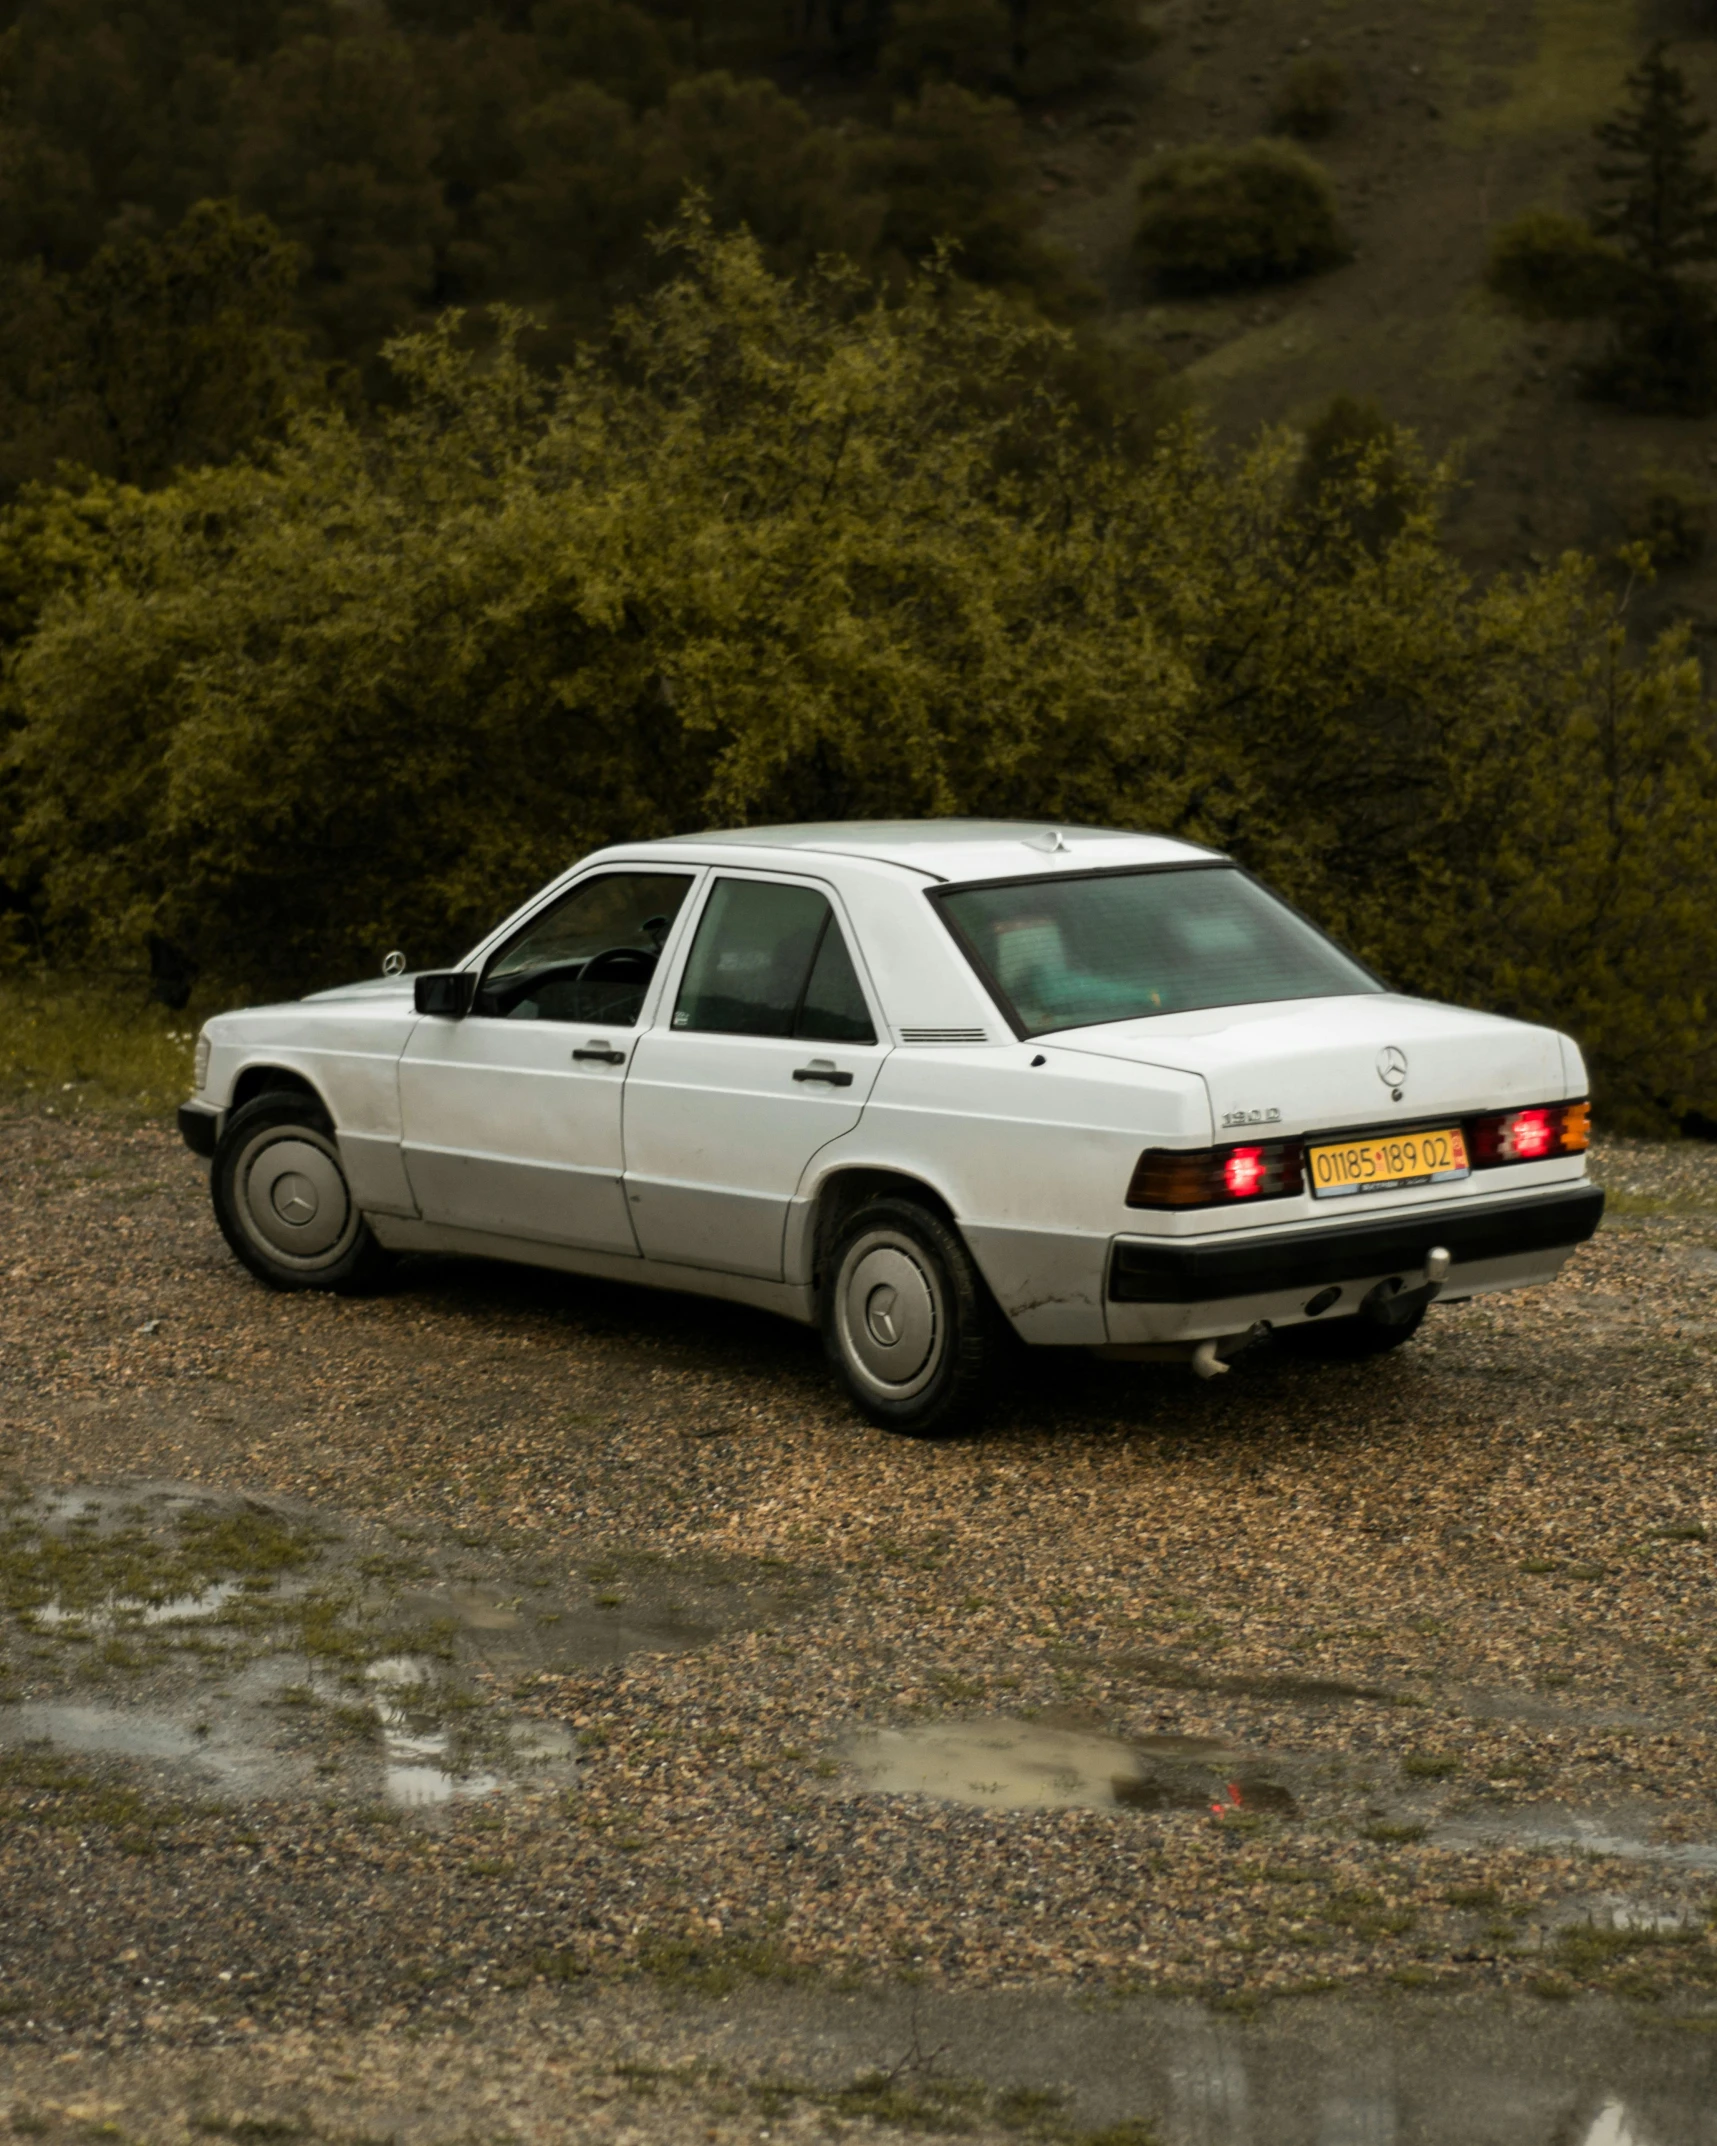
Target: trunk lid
{"type": "Point", "coordinates": [1309, 1065]}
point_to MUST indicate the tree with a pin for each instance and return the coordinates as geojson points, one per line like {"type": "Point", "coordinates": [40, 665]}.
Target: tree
{"type": "Point", "coordinates": [1638, 263]}
{"type": "Point", "coordinates": [952, 168]}
{"type": "Point", "coordinates": [338, 148]}
{"type": "Point", "coordinates": [181, 349]}
{"type": "Point", "coordinates": [795, 553]}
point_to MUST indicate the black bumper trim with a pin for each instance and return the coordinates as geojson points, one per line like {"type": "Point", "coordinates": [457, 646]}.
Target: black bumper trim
{"type": "Point", "coordinates": [199, 1129]}
{"type": "Point", "coordinates": [1184, 1271]}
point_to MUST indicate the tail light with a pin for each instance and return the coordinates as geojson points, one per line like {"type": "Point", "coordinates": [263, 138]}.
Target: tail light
{"type": "Point", "coordinates": [1535, 1135]}
{"type": "Point", "coordinates": [1216, 1177]}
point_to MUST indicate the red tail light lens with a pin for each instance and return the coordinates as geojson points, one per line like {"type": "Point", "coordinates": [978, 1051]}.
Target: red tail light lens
{"type": "Point", "coordinates": [1216, 1177]}
{"type": "Point", "coordinates": [1534, 1135]}
{"type": "Point", "coordinates": [1243, 1173]}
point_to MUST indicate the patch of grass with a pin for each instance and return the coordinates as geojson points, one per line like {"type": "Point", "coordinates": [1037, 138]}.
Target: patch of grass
{"type": "Point", "coordinates": [1473, 1896]}
{"type": "Point", "coordinates": [715, 1966]}
{"type": "Point", "coordinates": [1430, 1765]}
{"type": "Point", "coordinates": [1391, 1834]}
{"type": "Point", "coordinates": [1589, 1952]}
{"type": "Point", "coordinates": [37, 1785]}
{"type": "Point", "coordinates": [75, 1048]}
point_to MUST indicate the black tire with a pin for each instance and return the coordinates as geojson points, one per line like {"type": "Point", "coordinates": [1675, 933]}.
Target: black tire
{"type": "Point", "coordinates": [282, 1200]}
{"type": "Point", "coordinates": [1349, 1340]}
{"type": "Point", "coordinates": [909, 1322]}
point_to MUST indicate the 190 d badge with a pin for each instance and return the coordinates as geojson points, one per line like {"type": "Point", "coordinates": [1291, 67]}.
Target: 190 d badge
{"type": "Point", "coordinates": [1251, 1117]}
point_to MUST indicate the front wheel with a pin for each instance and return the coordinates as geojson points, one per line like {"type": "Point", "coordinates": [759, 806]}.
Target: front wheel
{"type": "Point", "coordinates": [282, 1200]}
{"type": "Point", "coordinates": [908, 1321]}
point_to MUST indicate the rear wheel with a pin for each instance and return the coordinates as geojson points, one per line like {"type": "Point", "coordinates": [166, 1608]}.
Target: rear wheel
{"type": "Point", "coordinates": [282, 1200]}
{"type": "Point", "coordinates": [908, 1321]}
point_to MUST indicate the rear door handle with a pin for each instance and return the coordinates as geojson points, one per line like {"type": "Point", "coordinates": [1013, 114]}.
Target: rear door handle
{"type": "Point", "coordinates": [822, 1069]}
{"type": "Point", "coordinates": [602, 1051]}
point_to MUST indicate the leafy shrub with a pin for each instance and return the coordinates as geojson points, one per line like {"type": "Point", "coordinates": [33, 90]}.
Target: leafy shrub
{"type": "Point", "coordinates": [1213, 218]}
{"type": "Point", "coordinates": [798, 554]}
{"type": "Point", "coordinates": [1549, 267]}
{"type": "Point", "coordinates": [1356, 464]}
{"type": "Point", "coordinates": [964, 41]}
{"type": "Point", "coordinates": [1314, 98]}
{"type": "Point", "coordinates": [1672, 517]}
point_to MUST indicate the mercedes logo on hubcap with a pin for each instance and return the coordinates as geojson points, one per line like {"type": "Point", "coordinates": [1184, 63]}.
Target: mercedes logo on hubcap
{"type": "Point", "coordinates": [879, 1315]}
{"type": "Point", "coordinates": [1392, 1066]}
{"type": "Point", "coordinates": [295, 1199]}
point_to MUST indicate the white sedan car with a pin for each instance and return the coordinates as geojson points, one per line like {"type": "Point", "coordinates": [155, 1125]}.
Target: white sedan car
{"type": "Point", "coordinates": [931, 1085]}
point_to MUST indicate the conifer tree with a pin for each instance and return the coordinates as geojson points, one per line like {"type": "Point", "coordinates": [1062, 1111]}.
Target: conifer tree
{"type": "Point", "coordinates": [1640, 261]}
{"type": "Point", "coordinates": [1659, 212]}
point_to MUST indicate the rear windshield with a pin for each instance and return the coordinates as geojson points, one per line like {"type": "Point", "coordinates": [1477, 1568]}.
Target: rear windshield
{"type": "Point", "coordinates": [1063, 953]}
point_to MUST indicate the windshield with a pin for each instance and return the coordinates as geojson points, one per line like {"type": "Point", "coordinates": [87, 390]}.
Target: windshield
{"type": "Point", "coordinates": [1110, 946]}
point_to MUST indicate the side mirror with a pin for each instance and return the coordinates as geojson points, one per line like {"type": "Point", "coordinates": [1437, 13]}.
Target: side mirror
{"type": "Point", "coordinates": [448, 992]}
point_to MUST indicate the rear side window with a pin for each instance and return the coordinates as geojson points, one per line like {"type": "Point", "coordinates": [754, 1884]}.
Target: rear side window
{"type": "Point", "coordinates": [1068, 953]}
{"type": "Point", "coordinates": [769, 960]}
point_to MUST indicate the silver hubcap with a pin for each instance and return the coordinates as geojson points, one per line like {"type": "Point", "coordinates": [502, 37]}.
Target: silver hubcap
{"type": "Point", "coordinates": [293, 1198]}
{"type": "Point", "coordinates": [889, 1315]}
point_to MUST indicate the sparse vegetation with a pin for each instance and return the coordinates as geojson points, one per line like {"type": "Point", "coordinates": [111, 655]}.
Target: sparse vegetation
{"type": "Point", "coordinates": [1214, 218]}
{"type": "Point", "coordinates": [1642, 262]}
{"type": "Point", "coordinates": [1314, 98]}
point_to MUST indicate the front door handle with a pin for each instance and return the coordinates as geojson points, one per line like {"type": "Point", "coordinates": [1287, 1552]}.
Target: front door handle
{"type": "Point", "coordinates": [823, 1069]}
{"type": "Point", "coordinates": [600, 1049]}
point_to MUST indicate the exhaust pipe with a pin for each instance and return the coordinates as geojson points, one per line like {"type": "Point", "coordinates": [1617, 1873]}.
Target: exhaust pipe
{"type": "Point", "coordinates": [1206, 1363]}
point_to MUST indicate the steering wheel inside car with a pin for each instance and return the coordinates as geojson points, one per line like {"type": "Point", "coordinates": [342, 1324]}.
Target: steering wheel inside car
{"type": "Point", "coordinates": [619, 965]}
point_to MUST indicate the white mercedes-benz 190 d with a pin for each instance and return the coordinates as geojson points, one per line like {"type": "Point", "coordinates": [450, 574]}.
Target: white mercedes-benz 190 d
{"type": "Point", "coordinates": [931, 1085]}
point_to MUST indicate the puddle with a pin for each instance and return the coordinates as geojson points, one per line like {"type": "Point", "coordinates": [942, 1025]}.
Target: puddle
{"type": "Point", "coordinates": [418, 1766]}
{"type": "Point", "coordinates": [1004, 1765]}
{"type": "Point", "coordinates": [1553, 1830]}
{"type": "Point", "coordinates": [134, 1612]}
{"type": "Point", "coordinates": [249, 1646]}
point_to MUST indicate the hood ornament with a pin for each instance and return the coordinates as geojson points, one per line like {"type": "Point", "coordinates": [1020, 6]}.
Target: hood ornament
{"type": "Point", "coordinates": [394, 964]}
{"type": "Point", "coordinates": [1392, 1069]}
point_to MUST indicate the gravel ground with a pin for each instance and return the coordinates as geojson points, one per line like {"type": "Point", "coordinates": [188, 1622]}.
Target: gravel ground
{"type": "Point", "coordinates": [1443, 1620]}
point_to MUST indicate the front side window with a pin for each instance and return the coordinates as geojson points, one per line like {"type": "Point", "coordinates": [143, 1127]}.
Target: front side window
{"type": "Point", "coordinates": [1066, 953]}
{"type": "Point", "coordinates": [770, 960]}
{"type": "Point", "coordinates": [588, 957]}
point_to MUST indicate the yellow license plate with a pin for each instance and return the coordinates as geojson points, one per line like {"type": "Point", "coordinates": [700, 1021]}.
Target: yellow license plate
{"type": "Point", "coordinates": [1350, 1166]}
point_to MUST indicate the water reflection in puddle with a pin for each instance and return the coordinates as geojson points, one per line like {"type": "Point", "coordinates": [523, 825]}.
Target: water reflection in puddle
{"type": "Point", "coordinates": [418, 1761]}
{"type": "Point", "coordinates": [1556, 1829]}
{"type": "Point", "coordinates": [1006, 1765]}
{"type": "Point", "coordinates": [133, 1611]}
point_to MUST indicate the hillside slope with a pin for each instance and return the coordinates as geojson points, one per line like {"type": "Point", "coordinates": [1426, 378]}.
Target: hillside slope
{"type": "Point", "coordinates": [1459, 117]}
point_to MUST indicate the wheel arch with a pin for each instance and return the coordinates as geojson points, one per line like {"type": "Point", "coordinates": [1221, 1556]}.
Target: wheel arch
{"type": "Point", "coordinates": [846, 1189]}
{"type": "Point", "coordinates": [258, 1080]}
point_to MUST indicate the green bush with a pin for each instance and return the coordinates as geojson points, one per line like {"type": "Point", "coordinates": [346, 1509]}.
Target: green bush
{"type": "Point", "coordinates": [1549, 267]}
{"type": "Point", "coordinates": [1214, 218]}
{"type": "Point", "coordinates": [1672, 516]}
{"type": "Point", "coordinates": [964, 41]}
{"type": "Point", "coordinates": [1314, 98]}
{"type": "Point", "coordinates": [798, 554]}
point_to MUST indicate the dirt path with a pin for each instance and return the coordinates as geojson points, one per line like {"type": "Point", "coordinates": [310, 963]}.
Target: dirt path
{"type": "Point", "coordinates": [516, 1665]}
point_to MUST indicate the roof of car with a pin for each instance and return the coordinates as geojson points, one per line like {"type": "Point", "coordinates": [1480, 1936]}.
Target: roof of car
{"type": "Point", "coordinates": [965, 849]}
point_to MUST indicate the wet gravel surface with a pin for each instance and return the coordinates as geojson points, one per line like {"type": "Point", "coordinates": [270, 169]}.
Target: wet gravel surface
{"type": "Point", "coordinates": [1406, 1651]}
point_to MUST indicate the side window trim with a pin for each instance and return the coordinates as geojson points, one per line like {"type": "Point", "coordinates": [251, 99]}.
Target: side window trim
{"type": "Point", "coordinates": [670, 970]}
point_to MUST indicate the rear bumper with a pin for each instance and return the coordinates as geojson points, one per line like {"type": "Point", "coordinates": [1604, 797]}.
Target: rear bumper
{"type": "Point", "coordinates": [199, 1128]}
{"type": "Point", "coordinates": [1186, 1271]}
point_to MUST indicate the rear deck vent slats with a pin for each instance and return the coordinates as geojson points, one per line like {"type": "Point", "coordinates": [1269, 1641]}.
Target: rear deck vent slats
{"type": "Point", "coordinates": [943, 1035]}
